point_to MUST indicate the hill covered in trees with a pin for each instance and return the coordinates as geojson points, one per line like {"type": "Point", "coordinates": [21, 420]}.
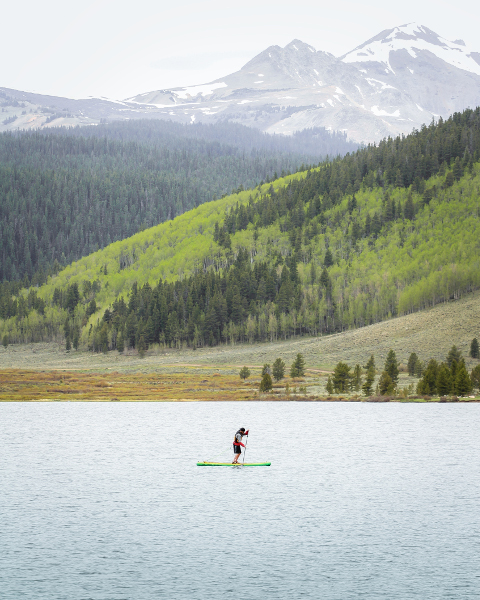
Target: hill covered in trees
{"type": "Point", "coordinates": [65, 194]}
{"type": "Point", "coordinates": [389, 230]}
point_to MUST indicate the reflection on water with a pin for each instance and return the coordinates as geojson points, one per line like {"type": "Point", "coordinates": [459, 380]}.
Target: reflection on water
{"type": "Point", "coordinates": [105, 502]}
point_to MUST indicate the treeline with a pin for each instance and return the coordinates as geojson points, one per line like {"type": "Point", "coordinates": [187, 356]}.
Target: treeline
{"type": "Point", "coordinates": [248, 302]}
{"type": "Point", "coordinates": [449, 378]}
{"type": "Point", "coordinates": [64, 195]}
{"type": "Point", "coordinates": [310, 144]}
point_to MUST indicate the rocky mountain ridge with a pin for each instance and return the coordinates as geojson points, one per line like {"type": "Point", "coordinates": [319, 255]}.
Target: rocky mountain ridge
{"type": "Point", "coordinates": [391, 84]}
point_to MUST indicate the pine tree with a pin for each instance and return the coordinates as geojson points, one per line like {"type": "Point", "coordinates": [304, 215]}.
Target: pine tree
{"type": "Point", "coordinates": [367, 387]}
{"type": "Point", "coordinates": [329, 385]}
{"type": "Point", "coordinates": [357, 378]}
{"type": "Point", "coordinates": [412, 362]}
{"type": "Point", "coordinates": [266, 384]}
{"type": "Point", "coordinates": [5, 341]}
{"type": "Point", "coordinates": [385, 384]}
{"type": "Point", "coordinates": [341, 377]}
{"type": "Point", "coordinates": [120, 343]}
{"type": "Point", "coordinates": [278, 369]}
{"type": "Point", "coordinates": [370, 364]}
{"type": "Point", "coordinates": [474, 350]}
{"type": "Point", "coordinates": [328, 262]}
{"type": "Point", "coordinates": [142, 346]}
{"type": "Point", "coordinates": [463, 383]}
{"type": "Point", "coordinates": [475, 377]}
{"type": "Point", "coordinates": [453, 355]}
{"type": "Point", "coordinates": [391, 367]}
{"type": "Point", "coordinates": [266, 369]}
{"type": "Point", "coordinates": [244, 373]}
{"type": "Point", "coordinates": [409, 209]}
{"type": "Point", "coordinates": [444, 381]}
{"type": "Point", "coordinates": [298, 367]}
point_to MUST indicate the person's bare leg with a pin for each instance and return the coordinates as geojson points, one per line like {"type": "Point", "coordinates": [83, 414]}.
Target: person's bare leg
{"type": "Point", "coordinates": [235, 459]}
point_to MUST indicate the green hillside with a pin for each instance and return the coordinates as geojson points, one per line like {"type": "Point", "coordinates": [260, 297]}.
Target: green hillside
{"type": "Point", "coordinates": [383, 232]}
{"type": "Point", "coordinates": [66, 193]}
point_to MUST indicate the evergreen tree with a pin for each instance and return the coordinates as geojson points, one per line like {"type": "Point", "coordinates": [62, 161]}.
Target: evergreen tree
{"type": "Point", "coordinates": [357, 378]}
{"type": "Point", "coordinates": [463, 383]}
{"type": "Point", "coordinates": [367, 387]}
{"type": "Point", "coordinates": [142, 346]}
{"type": "Point", "coordinates": [475, 377]}
{"type": "Point", "coordinates": [278, 369]}
{"type": "Point", "coordinates": [412, 363]}
{"type": "Point", "coordinates": [370, 364]}
{"type": "Point", "coordinates": [329, 386]}
{"type": "Point", "coordinates": [385, 384]}
{"type": "Point", "coordinates": [474, 350]}
{"type": "Point", "coordinates": [104, 338]}
{"type": "Point", "coordinates": [266, 369]}
{"type": "Point", "coordinates": [298, 367]}
{"type": "Point", "coordinates": [120, 343]}
{"type": "Point", "coordinates": [419, 368]}
{"type": "Point", "coordinates": [266, 384]}
{"type": "Point", "coordinates": [328, 261]}
{"type": "Point", "coordinates": [244, 373]}
{"type": "Point", "coordinates": [341, 378]}
{"type": "Point", "coordinates": [68, 343]}
{"type": "Point", "coordinates": [444, 381]}
{"type": "Point", "coordinates": [453, 355]}
{"type": "Point", "coordinates": [391, 366]}
{"type": "Point", "coordinates": [428, 383]}
{"type": "Point", "coordinates": [5, 341]}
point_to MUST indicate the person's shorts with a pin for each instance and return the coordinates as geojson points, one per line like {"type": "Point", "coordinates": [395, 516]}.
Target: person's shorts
{"type": "Point", "coordinates": [237, 449]}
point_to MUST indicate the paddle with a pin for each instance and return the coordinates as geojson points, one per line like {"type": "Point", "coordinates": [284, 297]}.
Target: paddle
{"type": "Point", "coordinates": [245, 451]}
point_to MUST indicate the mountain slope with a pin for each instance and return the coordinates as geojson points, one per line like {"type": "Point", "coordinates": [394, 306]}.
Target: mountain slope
{"type": "Point", "coordinates": [65, 194]}
{"type": "Point", "coordinates": [315, 252]}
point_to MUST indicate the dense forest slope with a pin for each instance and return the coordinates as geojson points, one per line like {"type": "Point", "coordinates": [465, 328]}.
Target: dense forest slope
{"type": "Point", "coordinates": [64, 194]}
{"type": "Point", "coordinates": [385, 231]}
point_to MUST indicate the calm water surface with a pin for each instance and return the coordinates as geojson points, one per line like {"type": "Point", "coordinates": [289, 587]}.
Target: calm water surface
{"type": "Point", "coordinates": [105, 502]}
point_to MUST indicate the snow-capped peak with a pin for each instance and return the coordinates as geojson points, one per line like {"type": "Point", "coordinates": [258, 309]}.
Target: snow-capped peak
{"type": "Point", "coordinates": [414, 38]}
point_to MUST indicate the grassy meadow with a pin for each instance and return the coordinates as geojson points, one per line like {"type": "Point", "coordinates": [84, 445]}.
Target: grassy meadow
{"type": "Point", "coordinates": [45, 371]}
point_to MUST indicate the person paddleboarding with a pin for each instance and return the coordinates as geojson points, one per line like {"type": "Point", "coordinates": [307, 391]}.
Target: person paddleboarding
{"type": "Point", "coordinates": [237, 444]}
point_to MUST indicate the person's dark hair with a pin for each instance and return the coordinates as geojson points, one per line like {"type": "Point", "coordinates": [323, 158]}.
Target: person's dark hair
{"type": "Point", "coordinates": [242, 429]}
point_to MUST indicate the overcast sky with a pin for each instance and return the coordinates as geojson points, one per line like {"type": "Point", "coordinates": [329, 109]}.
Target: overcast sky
{"type": "Point", "coordinates": [118, 48]}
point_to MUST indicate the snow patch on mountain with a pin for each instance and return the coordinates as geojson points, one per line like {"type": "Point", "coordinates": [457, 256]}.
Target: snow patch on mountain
{"type": "Point", "coordinates": [414, 39]}
{"type": "Point", "coordinates": [202, 90]}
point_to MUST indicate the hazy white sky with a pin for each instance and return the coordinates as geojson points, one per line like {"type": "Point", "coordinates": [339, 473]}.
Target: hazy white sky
{"type": "Point", "coordinates": [118, 48]}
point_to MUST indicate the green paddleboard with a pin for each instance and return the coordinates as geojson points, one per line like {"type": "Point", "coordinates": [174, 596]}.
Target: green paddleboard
{"type": "Point", "coordinates": [219, 464]}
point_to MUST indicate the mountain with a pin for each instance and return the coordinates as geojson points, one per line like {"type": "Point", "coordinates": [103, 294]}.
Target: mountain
{"type": "Point", "coordinates": [398, 80]}
{"type": "Point", "coordinates": [395, 82]}
{"type": "Point", "coordinates": [384, 231]}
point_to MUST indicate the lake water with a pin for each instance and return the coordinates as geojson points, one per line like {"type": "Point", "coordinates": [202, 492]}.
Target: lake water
{"type": "Point", "coordinates": [373, 501]}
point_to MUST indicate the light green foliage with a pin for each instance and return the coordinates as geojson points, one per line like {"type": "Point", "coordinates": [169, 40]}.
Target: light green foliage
{"type": "Point", "coordinates": [406, 267]}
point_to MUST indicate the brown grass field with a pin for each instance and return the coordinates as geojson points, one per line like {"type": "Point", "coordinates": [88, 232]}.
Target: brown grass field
{"type": "Point", "coordinates": [48, 372]}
